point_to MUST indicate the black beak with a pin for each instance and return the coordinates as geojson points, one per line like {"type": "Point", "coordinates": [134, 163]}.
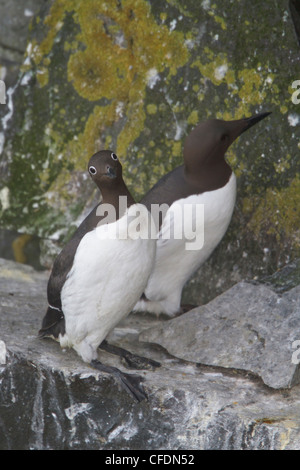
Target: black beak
{"type": "Point", "coordinates": [111, 172]}
{"type": "Point", "coordinates": [254, 120]}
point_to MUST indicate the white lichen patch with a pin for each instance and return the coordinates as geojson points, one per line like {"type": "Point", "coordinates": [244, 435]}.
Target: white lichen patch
{"type": "Point", "coordinates": [152, 77]}
{"type": "Point", "coordinates": [76, 409]}
{"type": "Point", "coordinates": [173, 24]}
{"type": "Point", "coordinates": [221, 71]}
{"type": "Point", "coordinates": [293, 119]}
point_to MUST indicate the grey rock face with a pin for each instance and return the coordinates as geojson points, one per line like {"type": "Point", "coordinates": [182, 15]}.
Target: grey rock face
{"type": "Point", "coordinates": [158, 69]}
{"type": "Point", "coordinates": [49, 399]}
{"type": "Point", "coordinates": [15, 18]}
{"type": "Point", "coordinates": [248, 327]}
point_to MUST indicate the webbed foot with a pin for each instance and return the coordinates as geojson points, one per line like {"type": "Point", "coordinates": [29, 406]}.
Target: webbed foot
{"type": "Point", "coordinates": [133, 361]}
{"type": "Point", "coordinates": [131, 383]}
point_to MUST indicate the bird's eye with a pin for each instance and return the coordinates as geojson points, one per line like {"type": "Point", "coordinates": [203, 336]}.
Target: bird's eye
{"type": "Point", "coordinates": [224, 137]}
{"type": "Point", "coordinates": [114, 156]}
{"type": "Point", "coordinates": [92, 170]}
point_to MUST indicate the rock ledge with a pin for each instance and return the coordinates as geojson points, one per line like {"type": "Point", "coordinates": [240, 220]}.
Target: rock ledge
{"type": "Point", "coordinates": [49, 399]}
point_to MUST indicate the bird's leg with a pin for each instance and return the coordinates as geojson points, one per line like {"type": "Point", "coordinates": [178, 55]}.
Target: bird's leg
{"type": "Point", "coordinates": [132, 361]}
{"type": "Point", "coordinates": [131, 383]}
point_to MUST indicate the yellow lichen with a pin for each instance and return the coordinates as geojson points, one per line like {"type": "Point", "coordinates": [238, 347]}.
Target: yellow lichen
{"type": "Point", "coordinates": [151, 108]}
{"type": "Point", "coordinates": [42, 76]}
{"type": "Point", "coordinates": [221, 21]}
{"type": "Point", "coordinates": [251, 85]}
{"type": "Point", "coordinates": [193, 118]}
{"type": "Point", "coordinates": [158, 152]}
{"type": "Point", "coordinates": [277, 213]}
{"type": "Point", "coordinates": [251, 90]}
{"type": "Point", "coordinates": [215, 67]}
{"type": "Point", "coordinates": [118, 49]}
{"type": "Point", "coordinates": [177, 149]}
{"type": "Point", "coordinates": [282, 164]}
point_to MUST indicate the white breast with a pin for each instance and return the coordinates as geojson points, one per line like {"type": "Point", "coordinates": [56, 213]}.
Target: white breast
{"type": "Point", "coordinates": [108, 275]}
{"type": "Point", "coordinates": [176, 261]}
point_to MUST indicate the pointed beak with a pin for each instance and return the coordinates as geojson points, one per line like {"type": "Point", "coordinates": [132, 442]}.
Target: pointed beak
{"type": "Point", "coordinates": [251, 121]}
{"type": "Point", "coordinates": [111, 172]}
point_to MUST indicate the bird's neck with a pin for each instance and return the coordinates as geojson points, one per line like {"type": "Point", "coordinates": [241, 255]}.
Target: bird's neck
{"type": "Point", "coordinates": [120, 198]}
{"type": "Point", "coordinates": [209, 177]}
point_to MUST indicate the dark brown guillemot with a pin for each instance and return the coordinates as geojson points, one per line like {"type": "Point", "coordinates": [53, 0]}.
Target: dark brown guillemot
{"type": "Point", "coordinates": [204, 180]}
{"type": "Point", "coordinates": [87, 291]}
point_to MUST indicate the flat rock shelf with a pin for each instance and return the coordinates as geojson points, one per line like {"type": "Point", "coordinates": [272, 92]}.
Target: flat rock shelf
{"type": "Point", "coordinates": [50, 399]}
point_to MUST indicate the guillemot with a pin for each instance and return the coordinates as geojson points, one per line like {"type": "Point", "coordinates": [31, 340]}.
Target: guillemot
{"type": "Point", "coordinates": [204, 179]}
{"type": "Point", "coordinates": [101, 272]}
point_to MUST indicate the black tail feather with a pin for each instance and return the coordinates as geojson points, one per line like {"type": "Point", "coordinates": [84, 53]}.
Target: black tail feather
{"type": "Point", "coordinates": [53, 323]}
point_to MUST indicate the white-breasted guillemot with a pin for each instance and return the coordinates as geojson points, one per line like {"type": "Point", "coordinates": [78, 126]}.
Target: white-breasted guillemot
{"type": "Point", "coordinates": [101, 272]}
{"type": "Point", "coordinates": [205, 179]}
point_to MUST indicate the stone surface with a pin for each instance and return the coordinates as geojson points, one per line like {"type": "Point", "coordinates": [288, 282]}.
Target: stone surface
{"type": "Point", "coordinates": [249, 327]}
{"type": "Point", "coordinates": [138, 76]}
{"type": "Point", "coordinates": [49, 399]}
{"type": "Point", "coordinates": [15, 18]}
{"type": "Point", "coordinates": [285, 278]}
